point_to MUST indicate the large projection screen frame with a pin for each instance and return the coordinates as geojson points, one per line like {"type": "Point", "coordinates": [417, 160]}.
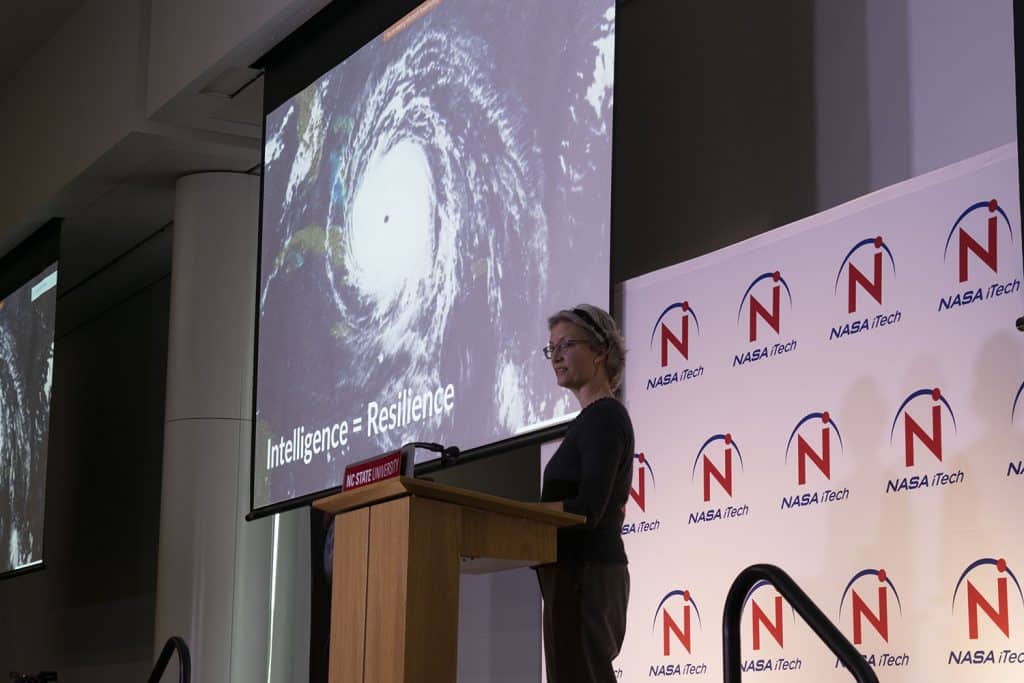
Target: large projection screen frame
{"type": "Point", "coordinates": [325, 41]}
{"type": "Point", "coordinates": [26, 261]}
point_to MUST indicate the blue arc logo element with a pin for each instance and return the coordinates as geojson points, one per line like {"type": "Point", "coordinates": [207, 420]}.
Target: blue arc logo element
{"type": "Point", "coordinates": [986, 561]}
{"type": "Point", "coordinates": [1013, 413]}
{"type": "Point", "coordinates": [716, 437]}
{"type": "Point", "coordinates": [681, 594]}
{"type": "Point", "coordinates": [762, 276]}
{"type": "Point", "coordinates": [863, 243]}
{"type": "Point", "coordinates": [685, 307]}
{"type": "Point", "coordinates": [646, 463]}
{"type": "Point", "coordinates": [968, 210]}
{"type": "Point", "coordinates": [869, 572]}
{"type": "Point", "coordinates": [807, 418]}
{"type": "Point", "coordinates": [917, 394]}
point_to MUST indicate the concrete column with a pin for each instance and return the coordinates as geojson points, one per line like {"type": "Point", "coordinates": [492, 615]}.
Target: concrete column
{"type": "Point", "coordinates": [214, 569]}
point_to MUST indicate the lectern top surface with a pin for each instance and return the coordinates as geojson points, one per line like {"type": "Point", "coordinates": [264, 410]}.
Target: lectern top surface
{"type": "Point", "coordinates": [407, 486]}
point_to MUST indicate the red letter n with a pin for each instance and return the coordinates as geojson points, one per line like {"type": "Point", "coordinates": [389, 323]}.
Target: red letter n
{"type": "Point", "coordinates": [757, 310]}
{"type": "Point", "coordinates": [988, 256]}
{"type": "Point", "coordinates": [711, 471]}
{"type": "Point", "coordinates": [932, 442]}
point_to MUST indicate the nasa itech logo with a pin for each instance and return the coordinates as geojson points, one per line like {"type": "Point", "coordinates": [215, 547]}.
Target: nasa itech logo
{"type": "Point", "coordinates": [719, 459]}
{"type": "Point", "coordinates": [974, 244]}
{"type": "Point", "coordinates": [864, 284]}
{"type": "Point", "coordinates": [671, 336]}
{"type": "Point", "coordinates": [764, 320]}
{"type": "Point", "coordinates": [768, 636]}
{"type": "Point", "coordinates": [987, 603]}
{"type": "Point", "coordinates": [1016, 467]}
{"type": "Point", "coordinates": [642, 486]}
{"type": "Point", "coordinates": [676, 614]}
{"type": "Point", "coordinates": [816, 437]}
{"type": "Point", "coordinates": [869, 601]}
{"type": "Point", "coordinates": [924, 420]}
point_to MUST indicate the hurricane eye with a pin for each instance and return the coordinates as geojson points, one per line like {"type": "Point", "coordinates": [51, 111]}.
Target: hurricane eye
{"type": "Point", "coordinates": [407, 221]}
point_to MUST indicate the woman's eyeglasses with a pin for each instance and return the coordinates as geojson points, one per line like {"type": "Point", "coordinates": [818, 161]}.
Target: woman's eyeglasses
{"type": "Point", "coordinates": [552, 350]}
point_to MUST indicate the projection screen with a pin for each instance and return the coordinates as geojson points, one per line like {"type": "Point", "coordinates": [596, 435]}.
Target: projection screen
{"type": "Point", "coordinates": [27, 318]}
{"type": "Point", "coordinates": [427, 203]}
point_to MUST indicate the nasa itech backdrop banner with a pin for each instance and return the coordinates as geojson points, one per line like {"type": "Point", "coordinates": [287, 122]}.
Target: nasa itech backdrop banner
{"type": "Point", "coordinates": [842, 397]}
{"type": "Point", "coordinates": [26, 376]}
{"type": "Point", "coordinates": [426, 205]}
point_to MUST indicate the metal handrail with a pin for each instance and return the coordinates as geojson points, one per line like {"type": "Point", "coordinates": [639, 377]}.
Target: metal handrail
{"type": "Point", "coordinates": [173, 644]}
{"type": "Point", "coordinates": [805, 607]}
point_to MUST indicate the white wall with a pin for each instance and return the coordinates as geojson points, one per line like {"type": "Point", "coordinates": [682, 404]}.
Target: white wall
{"type": "Point", "coordinates": [962, 96]}
{"type": "Point", "coordinates": [902, 87]}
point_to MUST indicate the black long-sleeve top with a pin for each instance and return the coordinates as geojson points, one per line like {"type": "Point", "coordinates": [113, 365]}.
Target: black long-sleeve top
{"type": "Point", "coordinates": [591, 473]}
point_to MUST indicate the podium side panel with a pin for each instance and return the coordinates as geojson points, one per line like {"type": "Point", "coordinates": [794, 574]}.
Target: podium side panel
{"type": "Point", "coordinates": [386, 603]}
{"type": "Point", "coordinates": [348, 596]}
{"type": "Point", "coordinates": [432, 615]}
{"type": "Point", "coordinates": [492, 535]}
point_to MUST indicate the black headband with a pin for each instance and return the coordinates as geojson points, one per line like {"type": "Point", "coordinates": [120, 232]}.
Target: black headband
{"type": "Point", "coordinates": [592, 324]}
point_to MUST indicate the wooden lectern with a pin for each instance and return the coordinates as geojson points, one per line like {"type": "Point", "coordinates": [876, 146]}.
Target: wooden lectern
{"type": "Point", "coordinates": [399, 547]}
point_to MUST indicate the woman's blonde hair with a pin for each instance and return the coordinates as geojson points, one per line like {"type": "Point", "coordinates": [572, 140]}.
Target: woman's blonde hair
{"type": "Point", "coordinates": [602, 334]}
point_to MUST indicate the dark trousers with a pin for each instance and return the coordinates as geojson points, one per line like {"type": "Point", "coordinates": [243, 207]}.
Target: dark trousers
{"type": "Point", "coordinates": [584, 619]}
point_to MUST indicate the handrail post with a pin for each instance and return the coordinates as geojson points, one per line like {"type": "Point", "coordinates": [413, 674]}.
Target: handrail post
{"type": "Point", "coordinates": [804, 606]}
{"type": "Point", "coordinates": [175, 643]}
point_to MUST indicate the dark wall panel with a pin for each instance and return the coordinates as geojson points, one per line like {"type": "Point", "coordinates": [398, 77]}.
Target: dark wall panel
{"type": "Point", "coordinates": [89, 614]}
{"type": "Point", "coordinates": [714, 127]}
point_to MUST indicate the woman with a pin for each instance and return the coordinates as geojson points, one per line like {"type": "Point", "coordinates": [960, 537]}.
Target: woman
{"type": "Point", "coordinates": [586, 591]}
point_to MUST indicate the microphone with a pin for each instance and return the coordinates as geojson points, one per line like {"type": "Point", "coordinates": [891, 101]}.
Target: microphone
{"type": "Point", "coordinates": [448, 454]}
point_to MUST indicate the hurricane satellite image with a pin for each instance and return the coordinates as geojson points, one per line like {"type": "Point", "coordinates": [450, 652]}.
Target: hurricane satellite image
{"type": "Point", "coordinates": [26, 376]}
{"type": "Point", "coordinates": [427, 204]}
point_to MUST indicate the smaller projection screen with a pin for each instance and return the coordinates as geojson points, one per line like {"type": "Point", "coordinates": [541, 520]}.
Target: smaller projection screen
{"type": "Point", "coordinates": [26, 376]}
{"type": "Point", "coordinates": [427, 203]}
